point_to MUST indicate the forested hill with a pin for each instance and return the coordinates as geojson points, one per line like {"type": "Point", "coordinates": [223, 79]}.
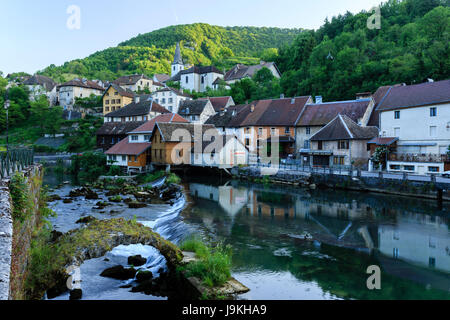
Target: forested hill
{"type": "Point", "coordinates": [201, 44]}
{"type": "Point", "coordinates": [344, 57]}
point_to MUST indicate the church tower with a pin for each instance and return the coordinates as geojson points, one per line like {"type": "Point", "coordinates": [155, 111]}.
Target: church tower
{"type": "Point", "coordinates": [177, 64]}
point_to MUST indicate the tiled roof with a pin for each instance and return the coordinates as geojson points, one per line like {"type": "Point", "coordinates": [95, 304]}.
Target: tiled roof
{"type": "Point", "coordinates": [161, 77]}
{"type": "Point", "coordinates": [44, 81]}
{"type": "Point", "coordinates": [241, 71]}
{"type": "Point", "coordinates": [322, 113]}
{"type": "Point", "coordinates": [219, 102]}
{"type": "Point", "coordinates": [167, 130]}
{"type": "Point", "coordinates": [378, 96]}
{"type": "Point", "coordinates": [130, 80]}
{"type": "Point", "coordinates": [344, 128]}
{"type": "Point", "coordinates": [124, 147]}
{"type": "Point", "coordinates": [383, 141]}
{"type": "Point", "coordinates": [120, 90]}
{"type": "Point", "coordinates": [197, 70]}
{"type": "Point", "coordinates": [278, 112]}
{"type": "Point", "coordinates": [118, 128]}
{"type": "Point", "coordinates": [225, 118]}
{"type": "Point", "coordinates": [192, 107]}
{"type": "Point", "coordinates": [163, 118]}
{"type": "Point", "coordinates": [82, 84]}
{"type": "Point", "coordinates": [138, 109]}
{"type": "Point", "coordinates": [423, 94]}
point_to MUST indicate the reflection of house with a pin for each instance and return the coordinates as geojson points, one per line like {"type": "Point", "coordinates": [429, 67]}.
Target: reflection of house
{"type": "Point", "coordinates": [41, 85]}
{"type": "Point", "coordinates": [77, 88]}
{"type": "Point", "coordinates": [197, 111]}
{"type": "Point", "coordinates": [115, 98]}
{"type": "Point", "coordinates": [240, 71]}
{"type": "Point", "coordinates": [136, 111]}
{"type": "Point", "coordinates": [318, 115]}
{"type": "Point", "coordinates": [419, 116]}
{"type": "Point", "coordinates": [425, 243]}
{"type": "Point", "coordinates": [341, 143]}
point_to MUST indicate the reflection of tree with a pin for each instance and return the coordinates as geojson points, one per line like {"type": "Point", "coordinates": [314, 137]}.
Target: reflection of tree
{"type": "Point", "coordinates": [274, 198]}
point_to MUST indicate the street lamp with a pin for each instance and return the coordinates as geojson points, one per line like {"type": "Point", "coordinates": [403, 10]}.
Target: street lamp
{"type": "Point", "coordinates": [7, 105]}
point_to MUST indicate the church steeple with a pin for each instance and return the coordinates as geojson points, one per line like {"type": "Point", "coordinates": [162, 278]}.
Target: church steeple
{"type": "Point", "coordinates": [178, 59]}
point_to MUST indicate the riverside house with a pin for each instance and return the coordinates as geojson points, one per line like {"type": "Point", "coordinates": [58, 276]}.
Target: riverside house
{"type": "Point", "coordinates": [113, 132]}
{"type": "Point", "coordinates": [133, 153]}
{"type": "Point", "coordinates": [342, 142]}
{"type": "Point", "coordinates": [418, 116]}
{"type": "Point", "coordinates": [137, 111]}
{"type": "Point", "coordinates": [115, 98]}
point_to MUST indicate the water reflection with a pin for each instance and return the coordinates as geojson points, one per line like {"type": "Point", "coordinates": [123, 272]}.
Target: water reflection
{"type": "Point", "coordinates": [408, 238]}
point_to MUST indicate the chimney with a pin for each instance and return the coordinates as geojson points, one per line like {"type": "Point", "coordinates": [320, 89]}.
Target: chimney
{"type": "Point", "coordinates": [282, 96]}
{"type": "Point", "coordinates": [319, 99]}
{"type": "Point", "coordinates": [137, 99]}
{"type": "Point", "coordinates": [252, 108]}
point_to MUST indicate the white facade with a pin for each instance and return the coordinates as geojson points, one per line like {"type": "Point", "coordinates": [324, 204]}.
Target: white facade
{"type": "Point", "coordinates": [67, 95]}
{"type": "Point", "coordinates": [198, 82]}
{"type": "Point", "coordinates": [423, 132]}
{"type": "Point", "coordinates": [119, 160]}
{"type": "Point", "coordinates": [38, 90]}
{"type": "Point", "coordinates": [169, 100]}
{"type": "Point", "coordinates": [232, 154]}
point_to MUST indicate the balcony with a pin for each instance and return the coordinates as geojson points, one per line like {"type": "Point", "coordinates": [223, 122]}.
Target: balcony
{"type": "Point", "coordinates": [413, 157]}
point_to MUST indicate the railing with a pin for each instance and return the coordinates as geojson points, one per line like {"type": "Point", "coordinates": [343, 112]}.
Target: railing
{"type": "Point", "coordinates": [15, 160]}
{"type": "Point", "coordinates": [295, 165]}
{"type": "Point", "coordinates": [413, 157]}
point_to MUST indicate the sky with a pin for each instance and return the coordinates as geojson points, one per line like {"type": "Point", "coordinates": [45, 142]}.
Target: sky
{"type": "Point", "coordinates": [34, 33]}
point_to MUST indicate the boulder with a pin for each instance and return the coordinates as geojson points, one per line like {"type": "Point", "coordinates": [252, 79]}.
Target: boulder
{"type": "Point", "coordinates": [119, 273]}
{"type": "Point", "coordinates": [76, 294]}
{"type": "Point", "coordinates": [142, 276]}
{"type": "Point", "coordinates": [54, 197]}
{"type": "Point", "coordinates": [136, 205]}
{"type": "Point", "coordinates": [67, 201]}
{"type": "Point", "coordinates": [137, 261]}
{"type": "Point", "coordinates": [86, 220]}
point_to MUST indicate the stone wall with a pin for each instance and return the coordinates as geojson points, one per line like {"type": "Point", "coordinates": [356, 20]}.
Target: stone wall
{"type": "Point", "coordinates": [15, 238]}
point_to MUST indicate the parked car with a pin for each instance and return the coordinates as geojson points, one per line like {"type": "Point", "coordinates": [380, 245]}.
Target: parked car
{"type": "Point", "coordinates": [446, 174]}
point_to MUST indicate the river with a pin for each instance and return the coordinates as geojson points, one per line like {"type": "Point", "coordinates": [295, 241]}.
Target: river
{"type": "Point", "coordinates": [409, 239]}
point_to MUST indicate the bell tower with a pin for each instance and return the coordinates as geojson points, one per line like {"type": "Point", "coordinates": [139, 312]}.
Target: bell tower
{"type": "Point", "coordinates": [177, 64]}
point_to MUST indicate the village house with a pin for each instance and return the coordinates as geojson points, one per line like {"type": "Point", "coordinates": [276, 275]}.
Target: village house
{"type": "Point", "coordinates": [139, 110]}
{"type": "Point", "coordinates": [342, 142]}
{"type": "Point", "coordinates": [197, 111]}
{"type": "Point", "coordinates": [41, 85]}
{"type": "Point", "coordinates": [170, 98]}
{"type": "Point", "coordinates": [115, 98]}
{"type": "Point", "coordinates": [264, 119]}
{"type": "Point", "coordinates": [133, 153]}
{"type": "Point", "coordinates": [240, 72]}
{"type": "Point", "coordinates": [316, 116]}
{"type": "Point", "coordinates": [77, 88]}
{"type": "Point", "coordinates": [419, 116]}
{"type": "Point", "coordinates": [198, 79]}
{"type": "Point", "coordinates": [161, 78]}
{"type": "Point", "coordinates": [227, 120]}
{"type": "Point", "coordinates": [220, 103]}
{"type": "Point", "coordinates": [135, 82]}
{"type": "Point", "coordinates": [112, 133]}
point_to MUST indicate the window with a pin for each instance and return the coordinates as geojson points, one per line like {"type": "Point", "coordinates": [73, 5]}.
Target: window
{"type": "Point", "coordinates": [170, 100]}
{"type": "Point", "coordinates": [339, 161]}
{"type": "Point", "coordinates": [432, 262]}
{"type": "Point", "coordinates": [203, 79]}
{"type": "Point", "coordinates": [118, 101]}
{"type": "Point", "coordinates": [147, 137]}
{"type": "Point", "coordinates": [308, 130]}
{"type": "Point", "coordinates": [433, 112]}
{"type": "Point", "coordinates": [124, 158]}
{"type": "Point", "coordinates": [343, 145]}
{"type": "Point", "coordinates": [247, 142]}
{"type": "Point", "coordinates": [134, 138]}
{"type": "Point", "coordinates": [307, 144]}
{"type": "Point", "coordinates": [106, 101]}
{"type": "Point", "coordinates": [287, 130]}
{"type": "Point", "coordinates": [395, 167]}
{"type": "Point", "coordinates": [187, 79]}
{"type": "Point", "coordinates": [106, 108]}
{"type": "Point", "coordinates": [409, 168]}
{"type": "Point", "coordinates": [320, 145]}
{"type": "Point", "coordinates": [116, 93]}
{"type": "Point", "coordinates": [260, 131]}
{"type": "Point", "coordinates": [396, 114]}
{"type": "Point", "coordinates": [395, 253]}
{"type": "Point", "coordinates": [433, 131]}
{"type": "Point", "coordinates": [433, 169]}
{"type": "Point", "coordinates": [163, 100]}
{"type": "Point", "coordinates": [272, 131]}
{"type": "Point", "coordinates": [247, 130]}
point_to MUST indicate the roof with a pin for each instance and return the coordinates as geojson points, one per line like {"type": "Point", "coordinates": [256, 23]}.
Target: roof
{"type": "Point", "coordinates": [192, 107]}
{"type": "Point", "coordinates": [120, 90]}
{"type": "Point", "coordinates": [167, 130]}
{"type": "Point", "coordinates": [378, 97]}
{"type": "Point", "coordinates": [176, 91]}
{"type": "Point", "coordinates": [162, 77]}
{"type": "Point", "coordinates": [82, 83]}
{"type": "Point", "coordinates": [423, 94]}
{"type": "Point", "coordinates": [344, 128]}
{"type": "Point", "coordinates": [241, 71]}
{"type": "Point", "coordinates": [177, 58]}
{"type": "Point", "coordinates": [44, 81]}
{"type": "Point", "coordinates": [219, 102]}
{"type": "Point", "coordinates": [382, 141]}
{"type": "Point", "coordinates": [118, 128]}
{"type": "Point", "coordinates": [225, 118]}
{"type": "Point", "coordinates": [148, 126]}
{"type": "Point", "coordinates": [322, 113]}
{"type": "Point", "coordinates": [130, 80]}
{"type": "Point", "coordinates": [124, 147]}
{"type": "Point", "coordinates": [138, 109]}
{"type": "Point", "coordinates": [277, 112]}
{"type": "Point", "coordinates": [197, 70]}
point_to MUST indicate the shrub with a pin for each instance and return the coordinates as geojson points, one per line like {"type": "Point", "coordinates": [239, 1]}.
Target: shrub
{"type": "Point", "coordinates": [173, 178]}
{"type": "Point", "coordinates": [20, 195]}
{"type": "Point", "coordinates": [114, 171]}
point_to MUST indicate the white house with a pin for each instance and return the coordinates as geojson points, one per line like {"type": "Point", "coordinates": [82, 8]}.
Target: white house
{"type": "Point", "coordinates": [419, 116]}
{"type": "Point", "coordinates": [41, 85]}
{"type": "Point", "coordinates": [240, 71]}
{"type": "Point", "coordinates": [197, 111]}
{"type": "Point", "coordinates": [170, 98]}
{"type": "Point", "coordinates": [77, 88]}
{"type": "Point", "coordinates": [198, 78]}
{"type": "Point", "coordinates": [135, 82]}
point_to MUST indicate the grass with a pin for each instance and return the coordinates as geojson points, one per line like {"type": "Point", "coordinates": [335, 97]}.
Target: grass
{"type": "Point", "coordinates": [148, 178]}
{"type": "Point", "coordinates": [173, 178]}
{"type": "Point", "coordinates": [213, 266]}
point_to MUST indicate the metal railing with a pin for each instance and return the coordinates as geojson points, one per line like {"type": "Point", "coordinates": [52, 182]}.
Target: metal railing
{"type": "Point", "coordinates": [15, 160]}
{"type": "Point", "coordinates": [413, 157]}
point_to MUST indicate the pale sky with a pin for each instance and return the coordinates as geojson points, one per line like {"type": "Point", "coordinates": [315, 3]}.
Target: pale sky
{"type": "Point", "coordinates": [34, 33]}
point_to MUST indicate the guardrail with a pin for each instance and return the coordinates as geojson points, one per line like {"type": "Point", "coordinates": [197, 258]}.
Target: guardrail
{"type": "Point", "coordinates": [15, 160]}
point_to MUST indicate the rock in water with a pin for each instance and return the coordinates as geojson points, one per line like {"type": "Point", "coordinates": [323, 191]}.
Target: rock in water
{"type": "Point", "coordinates": [143, 276]}
{"type": "Point", "coordinates": [86, 220]}
{"type": "Point", "coordinates": [137, 261]}
{"type": "Point", "coordinates": [119, 273]}
{"type": "Point", "coordinates": [76, 294]}
{"type": "Point", "coordinates": [136, 205]}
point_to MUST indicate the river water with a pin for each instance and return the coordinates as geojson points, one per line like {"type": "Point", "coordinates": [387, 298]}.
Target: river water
{"type": "Point", "coordinates": [409, 239]}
